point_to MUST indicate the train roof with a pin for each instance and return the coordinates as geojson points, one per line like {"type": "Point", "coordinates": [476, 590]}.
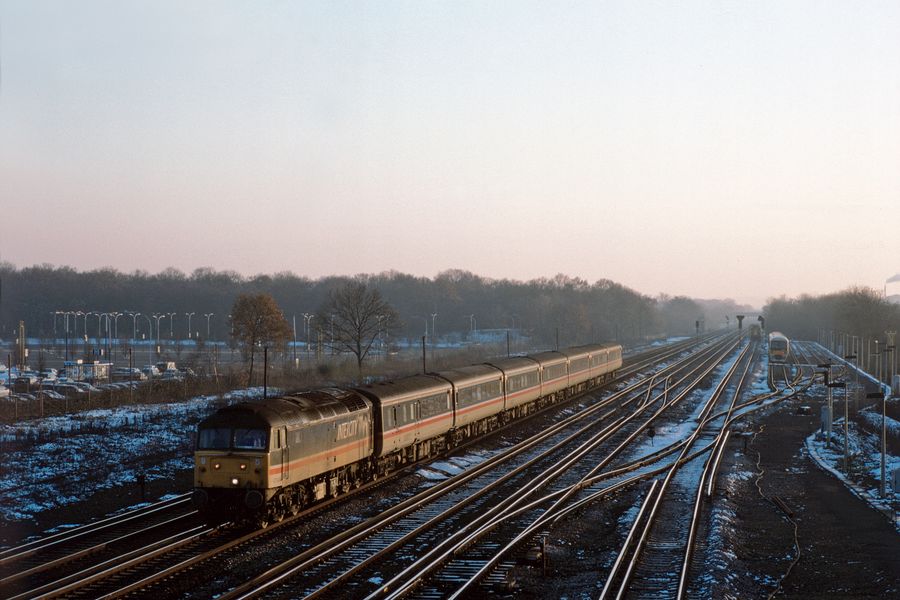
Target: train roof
{"type": "Point", "coordinates": [514, 365]}
{"type": "Point", "coordinates": [578, 351]}
{"type": "Point", "coordinates": [406, 387]}
{"type": "Point", "coordinates": [293, 409]}
{"type": "Point", "coordinates": [776, 335]}
{"type": "Point", "coordinates": [549, 357]}
{"type": "Point", "coordinates": [470, 375]}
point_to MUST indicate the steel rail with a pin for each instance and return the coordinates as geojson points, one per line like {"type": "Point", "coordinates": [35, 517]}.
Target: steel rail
{"type": "Point", "coordinates": [260, 584]}
{"type": "Point", "coordinates": [405, 581]}
{"type": "Point", "coordinates": [87, 551]}
{"type": "Point", "coordinates": [657, 502]}
{"type": "Point", "coordinates": [665, 353]}
{"type": "Point", "coordinates": [31, 548]}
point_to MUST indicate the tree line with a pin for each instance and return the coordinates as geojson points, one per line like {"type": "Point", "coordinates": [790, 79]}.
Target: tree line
{"type": "Point", "coordinates": [452, 305]}
{"type": "Point", "coordinates": [858, 311]}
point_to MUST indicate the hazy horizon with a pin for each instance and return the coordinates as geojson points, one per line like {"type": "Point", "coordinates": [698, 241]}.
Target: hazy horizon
{"type": "Point", "coordinates": [705, 149]}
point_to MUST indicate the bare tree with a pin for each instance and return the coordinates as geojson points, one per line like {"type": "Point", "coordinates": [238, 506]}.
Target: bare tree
{"type": "Point", "coordinates": [257, 321]}
{"type": "Point", "coordinates": [360, 315]}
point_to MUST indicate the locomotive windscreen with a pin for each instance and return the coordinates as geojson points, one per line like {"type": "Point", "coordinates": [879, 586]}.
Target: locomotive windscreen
{"type": "Point", "coordinates": [224, 438]}
{"type": "Point", "coordinates": [216, 438]}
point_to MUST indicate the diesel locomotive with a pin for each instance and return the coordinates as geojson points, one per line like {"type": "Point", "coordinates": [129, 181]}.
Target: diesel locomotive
{"type": "Point", "coordinates": [260, 461]}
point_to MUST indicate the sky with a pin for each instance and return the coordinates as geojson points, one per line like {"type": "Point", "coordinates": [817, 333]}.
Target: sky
{"type": "Point", "coordinates": [712, 149]}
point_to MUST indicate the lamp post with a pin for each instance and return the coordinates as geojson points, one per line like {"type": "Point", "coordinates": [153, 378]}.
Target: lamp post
{"type": "Point", "coordinates": [105, 318]}
{"type": "Point", "coordinates": [830, 412]}
{"type": "Point", "coordinates": [80, 314]}
{"type": "Point", "coordinates": [307, 318]}
{"type": "Point", "coordinates": [877, 354]}
{"type": "Point", "coordinates": [891, 369]}
{"type": "Point", "coordinates": [332, 333]}
{"type": "Point", "coordinates": [134, 316]}
{"type": "Point", "coordinates": [883, 396]}
{"type": "Point", "coordinates": [189, 315]}
{"type": "Point", "coordinates": [207, 315]}
{"type": "Point", "coordinates": [841, 384]}
{"type": "Point", "coordinates": [158, 317]}
{"type": "Point", "coordinates": [67, 313]}
{"type": "Point", "coordinates": [100, 316]}
{"type": "Point", "coordinates": [433, 317]}
{"type": "Point", "coordinates": [171, 329]}
{"type": "Point", "coordinates": [115, 336]}
{"type": "Point", "coordinates": [149, 324]}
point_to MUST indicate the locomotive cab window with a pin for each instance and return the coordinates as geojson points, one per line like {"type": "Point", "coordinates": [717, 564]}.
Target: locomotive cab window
{"type": "Point", "coordinates": [251, 439]}
{"type": "Point", "coordinates": [218, 438]}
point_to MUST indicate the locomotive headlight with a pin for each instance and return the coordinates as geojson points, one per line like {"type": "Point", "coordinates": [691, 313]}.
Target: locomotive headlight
{"type": "Point", "coordinates": [243, 466]}
{"type": "Point", "coordinates": [234, 481]}
{"type": "Point", "coordinates": [217, 466]}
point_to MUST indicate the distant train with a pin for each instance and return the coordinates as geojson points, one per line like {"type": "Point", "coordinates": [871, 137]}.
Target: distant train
{"type": "Point", "coordinates": [260, 461]}
{"type": "Point", "coordinates": [779, 347]}
{"type": "Point", "coordinates": [755, 332]}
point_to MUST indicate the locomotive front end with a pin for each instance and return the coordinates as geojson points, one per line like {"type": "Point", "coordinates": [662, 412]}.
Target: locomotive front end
{"type": "Point", "coordinates": [231, 465]}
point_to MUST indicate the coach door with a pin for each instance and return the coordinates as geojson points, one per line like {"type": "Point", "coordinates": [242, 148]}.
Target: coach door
{"type": "Point", "coordinates": [281, 443]}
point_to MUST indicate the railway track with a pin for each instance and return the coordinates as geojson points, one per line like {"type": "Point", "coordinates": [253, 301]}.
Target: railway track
{"type": "Point", "coordinates": [668, 528]}
{"type": "Point", "coordinates": [187, 549]}
{"type": "Point", "coordinates": [358, 564]}
{"type": "Point", "coordinates": [39, 562]}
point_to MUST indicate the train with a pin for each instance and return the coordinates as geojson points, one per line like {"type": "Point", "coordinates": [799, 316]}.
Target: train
{"type": "Point", "coordinates": [779, 347]}
{"type": "Point", "coordinates": [259, 461]}
{"type": "Point", "coordinates": [755, 332]}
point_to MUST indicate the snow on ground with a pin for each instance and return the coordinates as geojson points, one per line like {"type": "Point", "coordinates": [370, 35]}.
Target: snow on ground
{"type": "Point", "coordinates": [874, 420]}
{"type": "Point", "coordinates": [57, 460]}
{"type": "Point", "coordinates": [865, 464]}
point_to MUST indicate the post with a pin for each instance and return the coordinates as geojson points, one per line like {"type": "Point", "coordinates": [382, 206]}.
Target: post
{"type": "Point", "coordinates": [424, 366]}
{"type": "Point", "coordinates": [846, 424]}
{"type": "Point", "coordinates": [265, 371]}
{"type": "Point", "coordinates": [883, 441]}
{"type": "Point", "coordinates": [829, 409]}
{"type": "Point", "coordinates": [507, 343]}
{"type": "Point", "coordinates": [846, 433]}
{"type": "Point", "coordinates": [131, 375]}
{"type": "Point", "coordinates": [874, 396]}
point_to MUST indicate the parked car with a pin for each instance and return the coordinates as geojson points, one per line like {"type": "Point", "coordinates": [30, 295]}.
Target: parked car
{"type": "Point", "coordinates": [151, 371]}
{"type": "Point", "coordinates": [49, 374]}
{"type": "Point", "coordinates": [127, 374]}
{"type": "Point", "coordinates": [69, 390]}
{"type": "Point", "coordinates": [86, 387]}
{"type": "Point", "coordinates": [4, 391]}
{"type": "Point", "coordinates": [51, 394]}
{"type": "Point", "coordinates": [26, 383]}
{"type": "Point", "coordinates": [172, 376]}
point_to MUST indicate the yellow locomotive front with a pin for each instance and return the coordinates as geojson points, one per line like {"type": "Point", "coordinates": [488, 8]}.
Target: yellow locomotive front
{"type": "Point", "coordinates": [231, 463]}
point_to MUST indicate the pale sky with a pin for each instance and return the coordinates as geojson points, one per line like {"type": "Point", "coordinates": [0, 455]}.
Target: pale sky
{"type": "Point", "coordinates": [712, 149]}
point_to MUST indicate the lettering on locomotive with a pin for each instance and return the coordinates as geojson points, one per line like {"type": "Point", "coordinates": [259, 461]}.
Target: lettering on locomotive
{"type": "Point", "coordinates": [347, 429]}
